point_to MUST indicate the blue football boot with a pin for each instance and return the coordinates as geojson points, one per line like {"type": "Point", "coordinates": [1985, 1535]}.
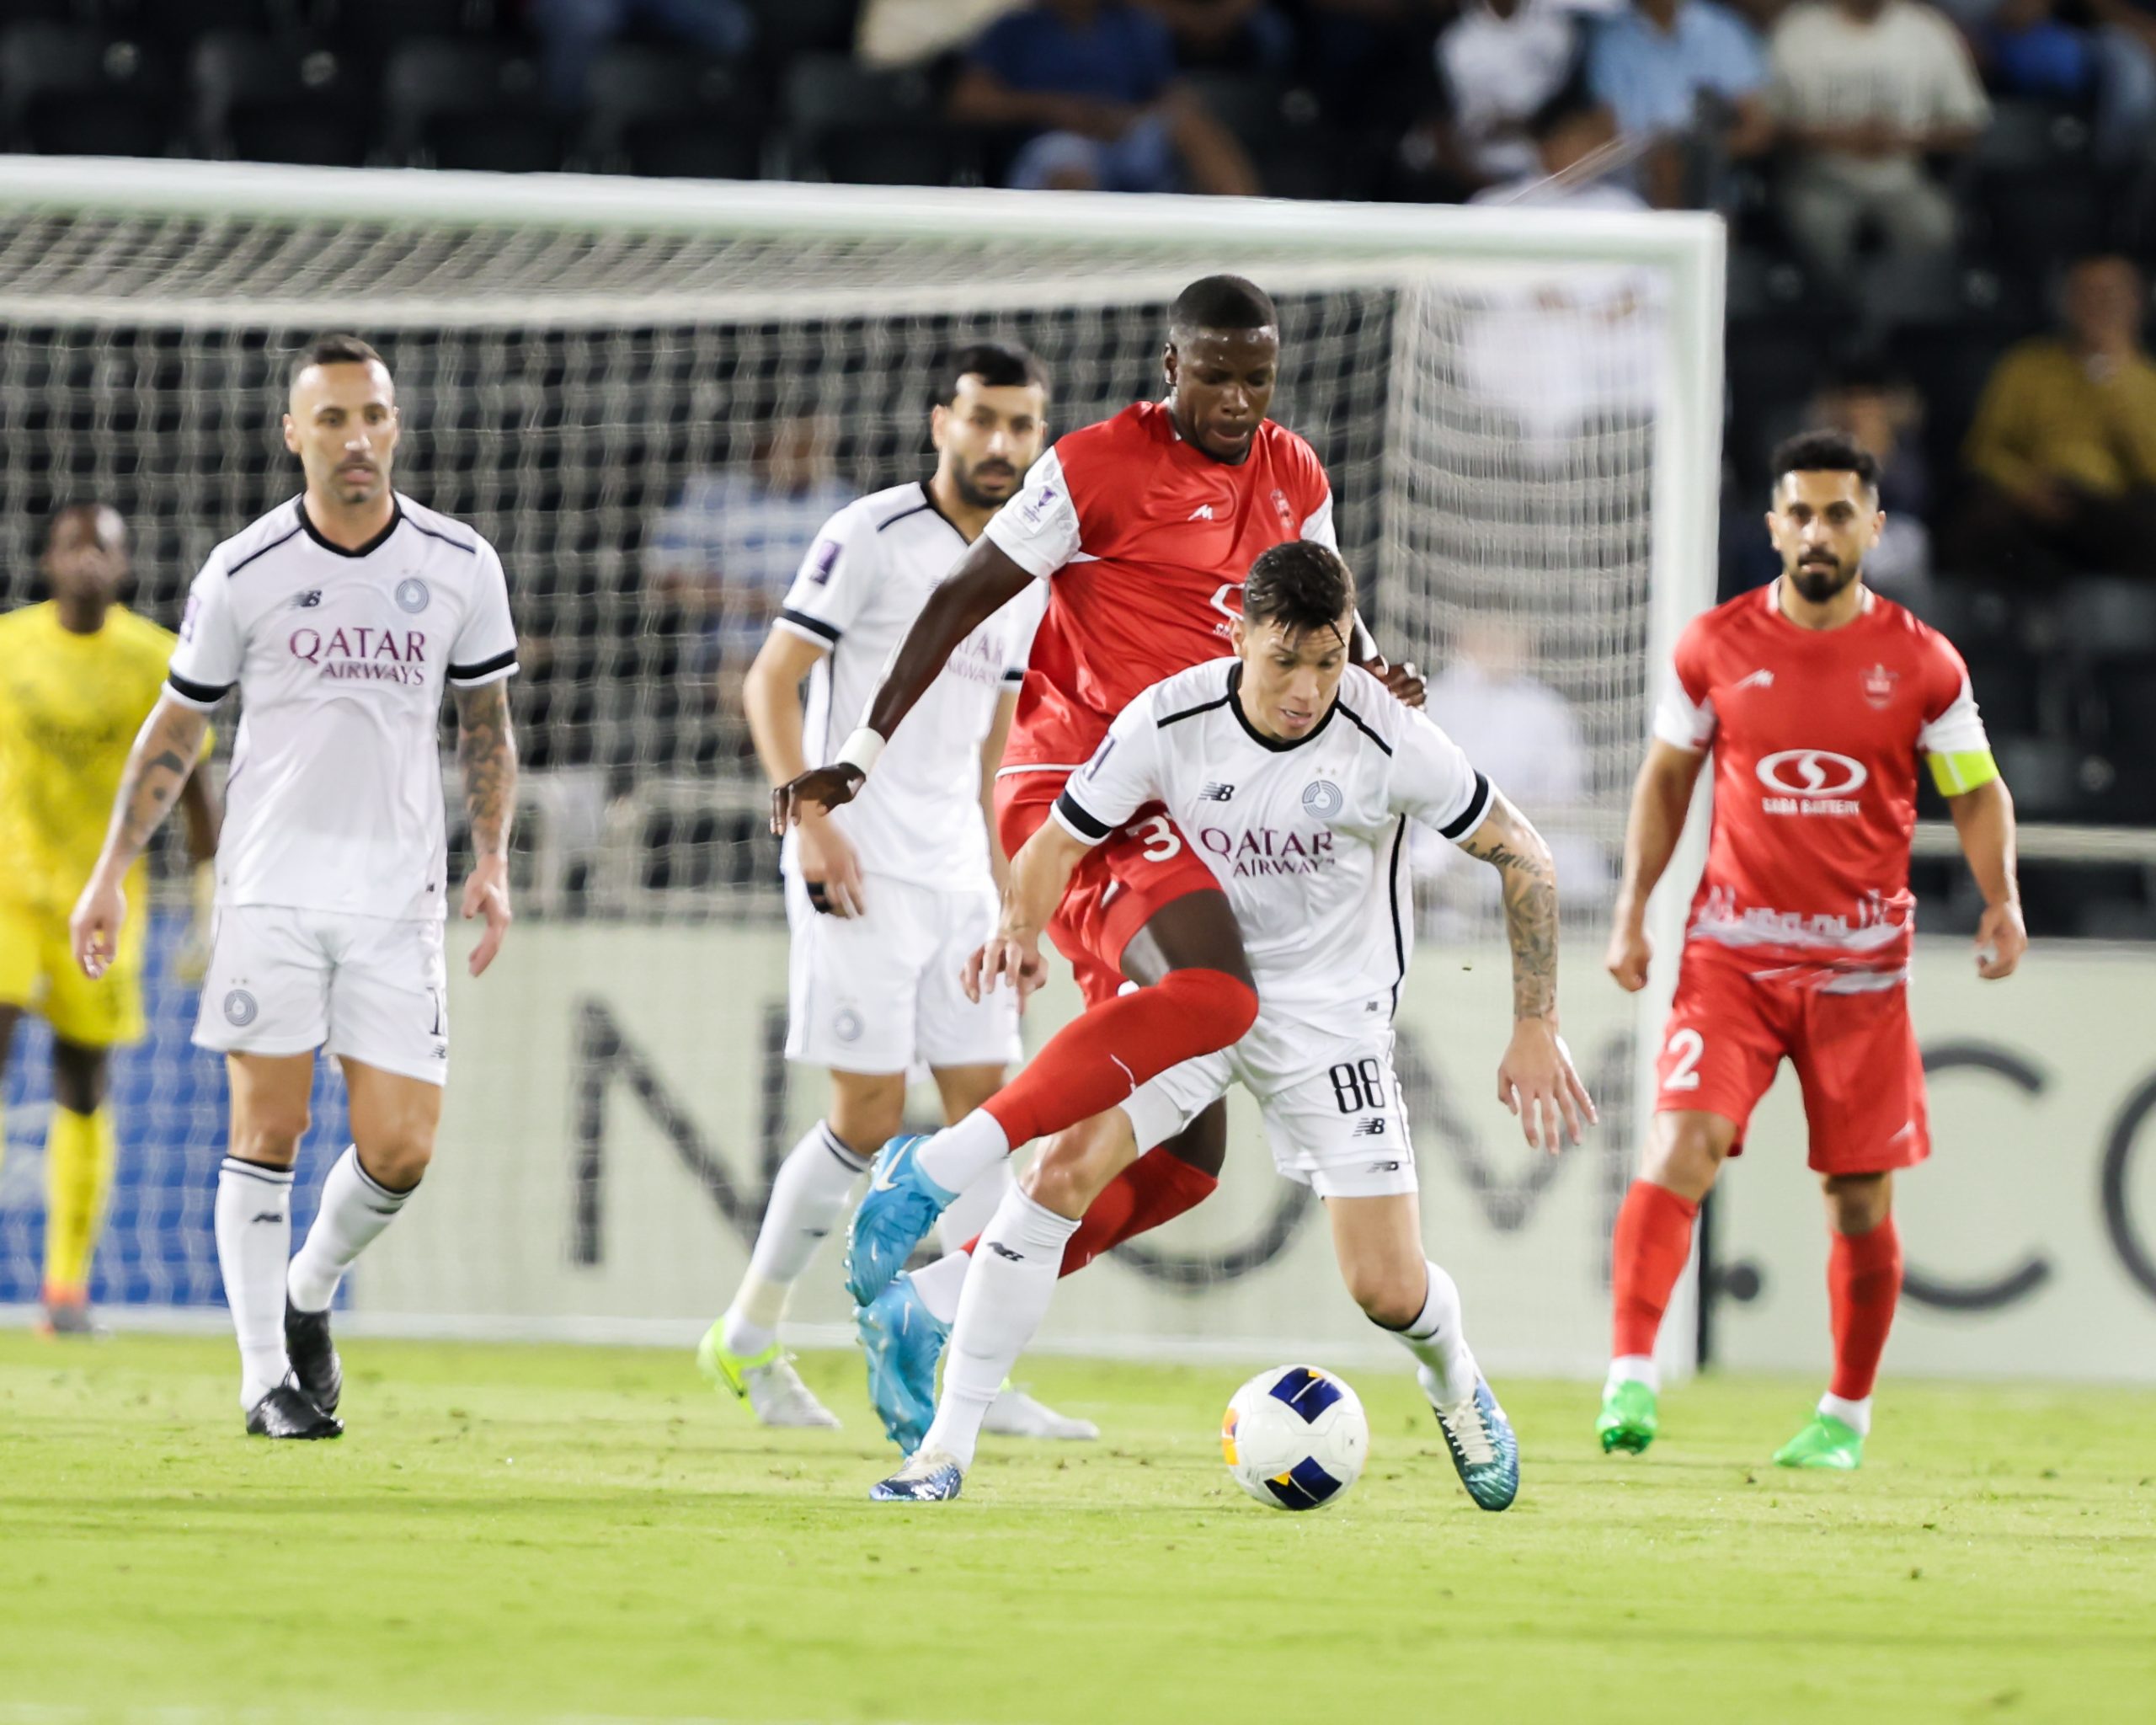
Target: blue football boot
{"type": "Point", "coordinates": [901, 1206]}
{"type": "Point", "coordinates": [931, 1477]}
{"type": "Point", "coordinates": [903, 1341]}
{"type": "Point", "coordinates": [1484, 1449]}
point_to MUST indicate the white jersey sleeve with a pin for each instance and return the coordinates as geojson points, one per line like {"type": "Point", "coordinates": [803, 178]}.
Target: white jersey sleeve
{"type": "Point", "coordinates": [484, 650]}
{"type": "Point", "coordinates": [205, 665]}
{"type": "Point", "coordinates": [1433, 783]}
{"type": "Point", "coordinates": [1318, 528]}
{"type": "Point", "coordinates": [834, 580]}
{"type": "Point", "coordinates": [1122, 777]}
{"type": "Point", "coordinates": [1038, 529]}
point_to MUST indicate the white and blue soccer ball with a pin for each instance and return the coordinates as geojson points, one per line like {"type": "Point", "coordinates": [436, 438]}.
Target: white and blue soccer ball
{"type": "Point", "coordinates": [1295, 1437]}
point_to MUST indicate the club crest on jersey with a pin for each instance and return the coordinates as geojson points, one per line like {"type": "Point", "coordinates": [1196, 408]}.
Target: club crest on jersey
{"type": "Point", "coordinates": [1879, 685]}
{"type": "Point", "coordinates": [240, 1008]}
{"type": "Point", "coordinates": [823, 560]}
{"type": "Point", "coordinates": [1322, 799]}
{"type": "Point", "coordinates": [1283, 509]}
{"type": "Point", "coordinates": [412, 595]}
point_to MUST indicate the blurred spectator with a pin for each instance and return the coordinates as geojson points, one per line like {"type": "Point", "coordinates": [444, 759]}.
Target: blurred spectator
{"type": "Point", "coordinates": [572, 32]}
{"type": "Point", "coordinates": [897, 33]}
{"type": "Point", "coordinates": [1678, 74]}
{"type": "Point", "coordinates": [2092, 55]}
{"type": "Point", "coordinates": [1095, 81]}
{"type": "Point", "coordinates": [1523, 733]}
{"type": "Point", "coordinates": [1500, 60]}
{"type": "Point", "coordinates": [1239, 36]}
{"type": "Point", "coordinates": [1865, 90]}
{"type": "Point", "coordinates": [2063, 449]}
{"type": "Point", "coordinates": [1581, 344]}
{"type": "Point", "coordinates": [726, 549]}
{"type": "Point", "coordinates": [1885, 417]}
{"type": "Point", "coordinates": [2124, 41]}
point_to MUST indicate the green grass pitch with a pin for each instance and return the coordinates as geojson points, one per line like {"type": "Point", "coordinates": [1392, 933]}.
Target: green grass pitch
{"type": "Point", "coordinates": [556, 1533]}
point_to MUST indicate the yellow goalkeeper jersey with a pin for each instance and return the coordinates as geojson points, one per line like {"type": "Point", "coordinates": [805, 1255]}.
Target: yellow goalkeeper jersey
{"type": "Point", "coordinates": [70, 706]}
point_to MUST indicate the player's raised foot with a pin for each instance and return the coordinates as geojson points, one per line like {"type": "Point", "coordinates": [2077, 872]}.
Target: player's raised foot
{"type": "Point", "coordinates": [1015, 1414]}
{"type": "Point", "coordinates": [896, 1213]}
{"type": "Point", "coordinates": [286, 1412]}
{"type": "Point", "coordinates": [766, 1382]}
{"type": "Point", "coordinates": [929, 1476]}
{"type": "Point", "coordinates": [313, 1355]}
{"type": "Point", "coordinates": [71, 1319]}
{"type": "Point", "coordinates": [1826, 1442]}
{"type": "Point", "coordinates": [1628, 1420]}
{"type": "Point", "coordinates": [1485, 1452]}
{"type": "Point", "coordinates": [901, 1340]}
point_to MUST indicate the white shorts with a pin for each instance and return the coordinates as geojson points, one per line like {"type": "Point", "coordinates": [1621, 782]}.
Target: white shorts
{"type": "Point", "coordinates": [284, 981]}
{"type": "Point", "coordinates": [1341, 1130]}
{"type": "Point", "coordinates": [880, 992]}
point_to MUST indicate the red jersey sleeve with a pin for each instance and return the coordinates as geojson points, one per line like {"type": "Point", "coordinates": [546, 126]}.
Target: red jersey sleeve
{"type": "Point", "coordinates": [1952, 725]}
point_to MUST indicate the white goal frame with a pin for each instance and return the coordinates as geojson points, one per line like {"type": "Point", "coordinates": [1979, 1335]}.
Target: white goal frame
{"type": "Point", "coordinates": [1342, 242]}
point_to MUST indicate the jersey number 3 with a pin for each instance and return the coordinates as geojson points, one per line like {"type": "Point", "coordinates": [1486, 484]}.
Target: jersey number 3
{"type": "Point", "coordinates": [1157, 834]}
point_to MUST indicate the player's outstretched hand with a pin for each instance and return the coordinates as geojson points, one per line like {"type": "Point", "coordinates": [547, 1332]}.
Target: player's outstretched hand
{"type": "Point", "coordinates": [830, 869]}
{"type": "Point", "coordinates": [486, 894]}
{"type": "Point", "coordinates": [1403, 682]}
{"type": "Point", "coordinates": [816, 792]}
{"type": "Point", "coordinates": [1536, 1081]}
{"type": "Point", "coordinates": [1008, 956]}
{"type": "Point", "coordinates": [1627, 957]}
{"type": "Point", "coordinates": [94, 929]}
{"type": "Point", "coordinates": [2001, 940]}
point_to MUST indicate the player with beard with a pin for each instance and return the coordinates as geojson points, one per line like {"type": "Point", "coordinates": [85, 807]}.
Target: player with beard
{"type": "Point", "coordinates": [1816, 696]}
{"type": "Point", "coordinates": [889, 895]}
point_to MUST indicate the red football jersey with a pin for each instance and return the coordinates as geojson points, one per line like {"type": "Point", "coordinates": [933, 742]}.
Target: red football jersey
{"type": "Point", "coordinates": [1816, 735]}
{"type": "Point", "coordinates": [1145, 540]}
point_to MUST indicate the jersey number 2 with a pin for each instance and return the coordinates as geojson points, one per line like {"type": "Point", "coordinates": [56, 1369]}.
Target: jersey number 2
{"type": "Point", "coordinates": [1687, 1045]}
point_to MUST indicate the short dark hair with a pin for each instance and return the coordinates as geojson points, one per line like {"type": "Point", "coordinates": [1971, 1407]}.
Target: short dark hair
{"type": "Point", "coordinates": [999, 365]}
{"type": "Point", "coordinates": [1570, 105]}
{"type": "Point", "coordinates": [1300, 585]}
{"type": "Point", "coordinates": [1825, 452]}
{"type": "Point", "coordinates": [336, 350]}
{"type": "Point", "coordinates": [91, 506]}
{"type": "Point", "coordinates": [1222, 302]}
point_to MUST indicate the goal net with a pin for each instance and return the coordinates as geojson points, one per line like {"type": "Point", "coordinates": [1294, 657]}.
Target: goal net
{"type": "Point", "coordinates": [648, 397]}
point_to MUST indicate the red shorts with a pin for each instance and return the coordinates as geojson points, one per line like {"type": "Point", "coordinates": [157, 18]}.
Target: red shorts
{"type": "Point", "coordinates": [1855, 1055]}
{"type": "Point", "coordinates": [1122, 882]}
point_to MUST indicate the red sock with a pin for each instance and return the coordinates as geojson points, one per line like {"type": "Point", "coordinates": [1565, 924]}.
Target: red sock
{"type": "Point", "coordinates": [1095, 1061]}
{"type": "Point", "coordinates": [1653, 1239]}
{"type": "Point", "coordinates": [1864, 1280]}
{"type": "Point", "coordinates": [1156, 1188]}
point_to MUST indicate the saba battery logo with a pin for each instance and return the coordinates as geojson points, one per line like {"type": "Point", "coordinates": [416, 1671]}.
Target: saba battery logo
{"type": "Point", "coordinates": [1810, 781]}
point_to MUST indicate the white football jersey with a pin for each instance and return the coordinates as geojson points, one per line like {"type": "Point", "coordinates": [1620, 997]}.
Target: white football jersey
{"type": "Point", "coordinates": [333, 801]}
{"type": "Point", "coordinates": [861, 585]}
{"type": "Point", "coordinates": [1308, 839]}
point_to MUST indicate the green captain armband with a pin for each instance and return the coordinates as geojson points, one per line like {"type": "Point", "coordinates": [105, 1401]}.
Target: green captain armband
{"type": "Point", "coordinates": [1956, 770]}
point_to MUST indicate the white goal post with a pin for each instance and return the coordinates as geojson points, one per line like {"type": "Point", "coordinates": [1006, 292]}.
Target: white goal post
{"type": "Point", "coordinates": [1521, 410]}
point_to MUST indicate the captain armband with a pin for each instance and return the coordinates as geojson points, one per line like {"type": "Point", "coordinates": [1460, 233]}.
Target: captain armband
{"type": "Point", "coordinates": [1957, 771]}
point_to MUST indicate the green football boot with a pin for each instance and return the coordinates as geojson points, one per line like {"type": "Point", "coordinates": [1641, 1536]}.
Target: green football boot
{"type": "Point", "coordinates": [766, 1382]}
{"type": "Point", "coordinates": [1628, 1420]}
{"type": "Point", "coordinates": [1826, 1442]}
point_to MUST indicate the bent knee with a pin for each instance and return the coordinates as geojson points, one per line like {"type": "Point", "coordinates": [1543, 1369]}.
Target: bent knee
{"type": "Point", "coordinates": [271, 1135]}
{"type": "Point", "coordinates": [1392, 1300]}
{"type": "Point", "coordinates": [1219, 1006]}
{"type": "Point", "coordinates": [396, 1161]}
{"type": "Point", "coordinates": [1077, 1164]}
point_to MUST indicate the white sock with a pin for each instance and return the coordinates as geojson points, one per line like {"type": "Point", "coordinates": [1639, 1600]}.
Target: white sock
{"type": "Point", "coordinates": [355, 1207]}
{"type": "Point", "coordinates": [1632, 1369]}
{"type": "Point", "coordinates": [1856, 1415]}
{"type": "Point", "coordinates": [1438, 1339]}
{"type": "Point", "coordinates": [1008, 1287]}
{"type": "Point", "coordinates": [942, 1283]}
{"type": "Point", "coordinates": [971, 1210]}
{"type": "Point", "coordinates": [254, 1237]}
{"type": "Point", "coordinates": [958, 1156]}
{"type": "Point", "coordinates": [806, 1199]}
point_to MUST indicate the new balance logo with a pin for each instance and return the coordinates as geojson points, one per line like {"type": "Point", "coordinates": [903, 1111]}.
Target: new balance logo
{"type": "Point", "coordinates": [268, 1215]}
{"type": "Point", "coordinates": [1761, 679]}
{"type": "Point", "coordinates": [1004, 1251]}
{"type": "Point", "coordinates": [1372, 1127]}
{"type": "Point", "coordinates": [1215, 793]}
{"type": "Point", "coordinates": [1203, 512]}
{"type": "Point", "coordinates": [307, 600]}
{"type": "Point", "coordinates": [1382, 1168]}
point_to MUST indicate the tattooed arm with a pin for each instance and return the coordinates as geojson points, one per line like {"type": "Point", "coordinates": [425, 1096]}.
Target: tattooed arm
{"type": "Point", "coordinates": [1535, 1078]}
{"type": "Point", "coordinates": [485, 748]}
{"type": "Point", "coordinates": [164, 754]}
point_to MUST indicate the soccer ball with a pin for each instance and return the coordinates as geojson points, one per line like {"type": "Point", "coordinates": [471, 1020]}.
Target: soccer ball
{"type": "Point", "coordinates": [1295, 1437]}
